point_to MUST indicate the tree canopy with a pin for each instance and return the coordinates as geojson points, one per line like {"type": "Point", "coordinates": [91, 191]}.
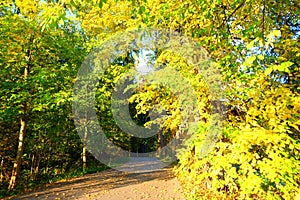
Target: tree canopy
{"type": "Point", "coordinates": [253, 44]}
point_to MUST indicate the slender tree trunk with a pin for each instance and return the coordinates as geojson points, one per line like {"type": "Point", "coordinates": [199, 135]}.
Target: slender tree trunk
{"type": "Point", "coordinates": [18, 161]}
{"type": "Point", "coordinates": [161, 143]}
{"type": "Point", "coordinates": [35, 164]}
{"type": "Point", "coordinates": [32, 166]}
{"type": "Point", "coordinates": [1, 170]}
{"type": "Point", "coordinates": [84, 150]}
{"type": "Point", "coordinates": [22, 133]}
{"type": "Point", "coordinates": [37, 168]}
{"type": "Point", "coordinates": [84, 158]}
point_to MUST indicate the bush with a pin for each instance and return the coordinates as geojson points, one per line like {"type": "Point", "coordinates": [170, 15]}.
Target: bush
{"type": "Point", "coordinates": [257, 158]}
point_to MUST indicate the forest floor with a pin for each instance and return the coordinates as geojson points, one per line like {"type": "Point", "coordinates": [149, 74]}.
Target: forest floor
{"type": "Point", "coordinates": [112, 184]}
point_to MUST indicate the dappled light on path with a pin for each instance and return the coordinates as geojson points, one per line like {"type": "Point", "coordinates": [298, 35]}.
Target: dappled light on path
{"type": "Point", "coordinates": [114, 184]}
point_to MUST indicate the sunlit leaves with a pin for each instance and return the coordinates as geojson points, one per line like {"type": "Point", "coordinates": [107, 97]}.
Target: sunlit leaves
{"type": "Point", "coordinates": [256, 45]}
{"type": "Point", "coordinates": [51, 58]}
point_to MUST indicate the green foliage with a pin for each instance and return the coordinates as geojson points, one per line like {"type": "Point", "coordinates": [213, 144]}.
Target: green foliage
{"type": "Point", "coordinates": [53, 58]}
{"type": "Point", "coordinates": [103, 105]}
{"type": "Point", "coordinates": [255, 44]}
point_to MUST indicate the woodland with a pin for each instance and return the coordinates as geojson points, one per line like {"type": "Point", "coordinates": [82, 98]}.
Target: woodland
{"type": "Point", "coordinates": [253, 43]}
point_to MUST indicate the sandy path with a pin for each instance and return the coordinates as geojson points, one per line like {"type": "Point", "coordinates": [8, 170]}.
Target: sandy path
{"type": "Point", "coordinates": [112, 184]}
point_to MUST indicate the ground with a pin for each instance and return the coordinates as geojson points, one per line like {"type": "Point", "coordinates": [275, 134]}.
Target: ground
{"type": "Point", "coordinates": [113, 184]}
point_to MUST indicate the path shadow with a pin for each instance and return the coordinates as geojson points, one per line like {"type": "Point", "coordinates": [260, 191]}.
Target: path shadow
{"type": "Point", "coordinates": [105, 180]}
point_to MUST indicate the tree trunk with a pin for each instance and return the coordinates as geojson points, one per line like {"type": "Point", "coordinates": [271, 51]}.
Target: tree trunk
{"type": "Point", "coordinates": [84, 150]}
{"type": "Point", "coordinates": [35, 164]}
{"type": "Point", "coordinates": [18, 161]}
{"type": "Point", "coordinates": [161, 141]}
{"type": "Point", "coordinates": [1, 170]}
{"type": "Point", "coordinates": [84, 158]}
{"type": "Point", "coordinates": [17, 164]}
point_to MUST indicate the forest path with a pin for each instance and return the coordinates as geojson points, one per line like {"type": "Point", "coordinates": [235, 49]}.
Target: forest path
{"type": "Point", "coordinates": [112, 184]}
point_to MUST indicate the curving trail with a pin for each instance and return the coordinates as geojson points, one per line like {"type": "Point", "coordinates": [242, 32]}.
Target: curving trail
{"type": "Point", "coordinates": [114, 185]}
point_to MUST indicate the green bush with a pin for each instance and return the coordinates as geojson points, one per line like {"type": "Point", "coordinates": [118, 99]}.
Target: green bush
{"type": "Point", "coordinates": [248, 163]}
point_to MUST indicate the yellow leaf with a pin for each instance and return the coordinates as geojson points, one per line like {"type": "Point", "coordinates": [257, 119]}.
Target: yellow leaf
{"type": "Point", "coordinates": [249, 61]}
{"type": "Point", "coordinates": [268, 71]}
{"type": "Point", "coordinates": [276, 33]}
{"type": "Point", "coordinates": [261, 57]}
{"type": "Point", "coordinates": [250, 45]}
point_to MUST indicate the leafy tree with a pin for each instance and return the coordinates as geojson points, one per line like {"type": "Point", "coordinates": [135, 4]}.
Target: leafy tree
{"type": "Point", "coordinates": [256, 46]}
{"type": "Point", "coordinates": [38, 69]}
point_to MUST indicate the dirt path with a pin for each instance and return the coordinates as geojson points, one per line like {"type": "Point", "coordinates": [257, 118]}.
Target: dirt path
{"type": "Point", "coordinates": [114, 185]}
